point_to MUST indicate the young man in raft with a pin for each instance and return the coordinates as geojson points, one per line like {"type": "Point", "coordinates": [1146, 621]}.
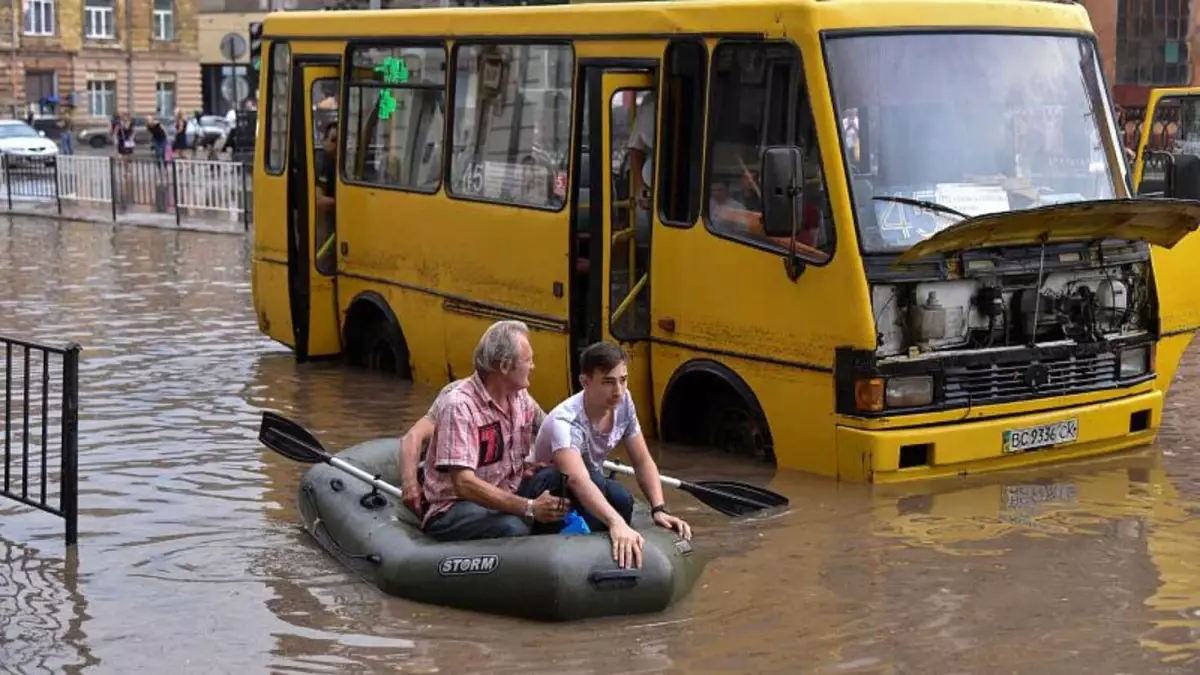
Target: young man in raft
{"type": "Point", "coordinates": [483, 432]}
{"type": "Point", "coordinates": [578, 436]}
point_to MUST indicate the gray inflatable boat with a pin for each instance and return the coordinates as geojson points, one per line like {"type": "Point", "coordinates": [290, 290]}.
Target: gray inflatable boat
{"type": "Point", "coordinates": [548, 577]}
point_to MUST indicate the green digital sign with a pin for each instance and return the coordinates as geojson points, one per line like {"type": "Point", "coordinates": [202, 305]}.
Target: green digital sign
{"type": "Point", "coordinates": [394, 71]}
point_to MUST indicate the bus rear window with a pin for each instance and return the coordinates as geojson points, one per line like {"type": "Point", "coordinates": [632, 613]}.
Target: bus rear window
{"type": "Point", "coordinates": [512, 124]}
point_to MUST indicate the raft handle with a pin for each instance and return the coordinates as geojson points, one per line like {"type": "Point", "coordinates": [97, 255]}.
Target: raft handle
{"type": "Point", "coordinates": [614, 580]}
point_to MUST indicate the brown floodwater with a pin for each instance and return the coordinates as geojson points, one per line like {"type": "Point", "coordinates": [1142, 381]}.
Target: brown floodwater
{"type": "Point", "coordinates": [191, 558]}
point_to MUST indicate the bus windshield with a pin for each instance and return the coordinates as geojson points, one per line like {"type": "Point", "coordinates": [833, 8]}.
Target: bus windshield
{"type": "Point", "coordinates": [975, 123]}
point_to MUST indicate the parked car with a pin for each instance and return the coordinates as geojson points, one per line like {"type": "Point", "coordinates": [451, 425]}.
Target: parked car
{"type": "Point", "coordinates": [22, 143]}
{"type": "Point", "coordinates": [99, 134]}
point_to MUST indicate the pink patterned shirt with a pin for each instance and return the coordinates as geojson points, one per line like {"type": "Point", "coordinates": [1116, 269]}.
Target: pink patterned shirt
{"type": "Point", "coordinates": [472, 432]}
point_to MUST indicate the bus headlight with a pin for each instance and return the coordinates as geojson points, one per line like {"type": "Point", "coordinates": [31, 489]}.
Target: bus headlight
{"type": "Point", "coordinates": [1135, 362]}
{"type": "Point", "coordinates": [909, 392]}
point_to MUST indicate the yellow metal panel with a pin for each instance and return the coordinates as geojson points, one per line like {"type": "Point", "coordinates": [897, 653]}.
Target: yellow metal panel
{"type": "Point", "coordinates": [976, 446]}
{"type": "Point", "coordinates": [269, 281]}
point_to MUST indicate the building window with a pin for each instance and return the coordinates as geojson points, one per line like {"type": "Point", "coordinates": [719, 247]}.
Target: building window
{"type": "Point", "coordinates": [102, 97]}
{"type": "Point", "coordinates": [280, 83]}
{"type": "Point", "coordinates": [394, 117]}
{"type": "Point", "coordinates": [1152, 42]}
{"type": "Point", "coordinates": [512, 123]}
{"type": "Point", "coordinates": [39, 17]}
{"type": "Point", "coordinates": [98, 20]}
{"type": "Point", "coordinates": [164, 95]}
{"type": "Point", "coordinates": [164, 20]}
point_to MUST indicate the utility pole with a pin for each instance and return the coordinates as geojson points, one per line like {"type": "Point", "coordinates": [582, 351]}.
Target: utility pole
{"type": "Point", "coordinates": [128, 57]}
{"type": "Point", "coordinates": [12, 67]}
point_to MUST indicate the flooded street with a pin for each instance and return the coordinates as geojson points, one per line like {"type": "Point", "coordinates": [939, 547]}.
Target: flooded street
{"type": "Point", "coordinates": [191, 558]}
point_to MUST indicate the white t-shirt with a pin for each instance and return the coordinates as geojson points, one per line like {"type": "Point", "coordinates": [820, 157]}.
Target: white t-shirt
{"type": "Point", "coordinates": [567, 426]}
{"type": "Point", "coordinates": [643, 135]}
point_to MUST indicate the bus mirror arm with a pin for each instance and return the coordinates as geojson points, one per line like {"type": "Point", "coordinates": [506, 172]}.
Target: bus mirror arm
{"type": "Point", "coordinates": [783, 200]}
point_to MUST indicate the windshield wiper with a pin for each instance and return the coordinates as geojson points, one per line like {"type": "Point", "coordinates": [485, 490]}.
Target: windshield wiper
{"type": "Point", "coordinates": [921, 203]}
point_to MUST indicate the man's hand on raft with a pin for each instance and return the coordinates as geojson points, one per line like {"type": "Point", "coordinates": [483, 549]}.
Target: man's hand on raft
{"type": "Point", "coordinates": [672, 523]}
{"type": "Point", "coordinates": [626, 545]}
{"type": "Point", "coordinates": [550, 509]}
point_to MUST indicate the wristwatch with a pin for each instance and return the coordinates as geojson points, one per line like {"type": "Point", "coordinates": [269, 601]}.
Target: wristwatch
{"type": "Point", "coordinates": [659, 508]}
{"type": "Point", "coordinates": [529, 509]}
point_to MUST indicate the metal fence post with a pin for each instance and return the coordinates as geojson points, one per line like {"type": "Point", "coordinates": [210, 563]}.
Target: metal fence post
{"type": "Point", "coordinates": [70, 443]}
{"type": "Point", "coordinates": [112, 186]}
{"type": "Point", "coordinates": [245, 200]}
{"type": "Point", "coordinates": [7, 180]}
{"type": "Point", "coordinates": [175, 192]}
{"type": "Point", "coordinates": [57, 190]}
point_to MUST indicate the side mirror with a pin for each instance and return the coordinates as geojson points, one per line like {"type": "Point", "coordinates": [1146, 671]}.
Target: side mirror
{"type": "Point", "coordinates": [781, 180]}
{"type": "Point", "coordinates": [1183, 177]}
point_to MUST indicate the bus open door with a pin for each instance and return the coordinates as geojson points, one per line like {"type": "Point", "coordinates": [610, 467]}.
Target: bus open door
{"type": "Point", "coordinates": [1167, 164]}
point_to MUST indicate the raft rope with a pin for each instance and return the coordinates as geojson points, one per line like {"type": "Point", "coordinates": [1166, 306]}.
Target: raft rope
{"type": "Point", "coordinates": [318, 521]}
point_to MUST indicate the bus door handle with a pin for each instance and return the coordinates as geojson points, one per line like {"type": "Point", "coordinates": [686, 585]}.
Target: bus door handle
{"type": "Point", "coordinates": [345, 248]}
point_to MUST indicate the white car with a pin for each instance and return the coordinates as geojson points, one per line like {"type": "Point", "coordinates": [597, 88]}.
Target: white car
{"type": "Point", "coordinates": [22, 143]}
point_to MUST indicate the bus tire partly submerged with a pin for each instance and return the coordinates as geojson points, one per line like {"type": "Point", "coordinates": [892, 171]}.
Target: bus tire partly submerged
{"type": "Point", "coordinates": [547, 577]}
{"type": "Point", "coordinates": [707, 404]}
{"type": "Point", "coordinates": [373, 337]}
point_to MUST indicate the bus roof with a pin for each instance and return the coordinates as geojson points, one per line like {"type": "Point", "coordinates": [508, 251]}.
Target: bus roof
{"type": "Point", "coordinates": [661, 19]}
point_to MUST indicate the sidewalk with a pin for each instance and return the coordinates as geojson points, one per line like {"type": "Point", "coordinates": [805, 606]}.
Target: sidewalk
{"type": "Point", "coordinates": [207, 196]}
{"type": "Point", "coordinates": [203, 221]}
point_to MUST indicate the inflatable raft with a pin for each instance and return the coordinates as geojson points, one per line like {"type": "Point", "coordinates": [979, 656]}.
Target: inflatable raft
{"type": "Point", "coordinates": [547, 577]}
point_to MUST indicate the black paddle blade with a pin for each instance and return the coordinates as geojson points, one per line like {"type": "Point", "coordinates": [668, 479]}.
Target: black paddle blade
{"type": "Point", "coordinates": [290, 439]}
{"type": "Point", "coordinates": [734, 499]}
{"type": "Point", "coordinates": [748, 491]}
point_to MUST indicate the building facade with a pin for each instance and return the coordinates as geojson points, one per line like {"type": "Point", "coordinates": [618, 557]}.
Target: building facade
{"type": "Point", "coordinates": [1145, 44]}
{"type": "Point", "coordinates": [106, 57]}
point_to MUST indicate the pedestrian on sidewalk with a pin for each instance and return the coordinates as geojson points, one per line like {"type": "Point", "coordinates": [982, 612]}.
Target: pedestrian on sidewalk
{"type": "Point", "coordinates": [158, 140]}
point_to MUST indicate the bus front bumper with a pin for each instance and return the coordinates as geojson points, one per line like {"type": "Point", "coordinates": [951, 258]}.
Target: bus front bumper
{"type": "Point", "coordinates": [918, 453]}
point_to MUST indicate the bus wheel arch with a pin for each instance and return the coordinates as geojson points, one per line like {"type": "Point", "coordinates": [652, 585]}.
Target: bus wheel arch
{"type": "Point", "coordinates": [707, 403]}
{"type": "Point", "coordinates": [373, 338]}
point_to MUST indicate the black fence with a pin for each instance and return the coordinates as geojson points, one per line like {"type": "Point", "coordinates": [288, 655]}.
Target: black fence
{"type": "Point", "coordinates": [44, 443]}
{"type": "Point", "coordinates": [124, 186]}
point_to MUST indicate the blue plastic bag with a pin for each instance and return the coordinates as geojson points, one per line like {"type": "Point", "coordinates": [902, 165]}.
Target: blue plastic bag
{"type": "Point", "coordinates": [574, 524]}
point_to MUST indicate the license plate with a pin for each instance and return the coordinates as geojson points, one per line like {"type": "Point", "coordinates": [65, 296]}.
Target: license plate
{"type": "Point", "coordinates": [1041, 436]}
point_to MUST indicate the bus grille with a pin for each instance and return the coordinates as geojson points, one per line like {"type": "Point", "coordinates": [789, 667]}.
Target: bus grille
{"type": "Point", "coordinates": [997, 382]}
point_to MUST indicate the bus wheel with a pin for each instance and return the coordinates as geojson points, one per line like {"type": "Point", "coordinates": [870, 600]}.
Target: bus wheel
{"type": "Point", "coordinates": [373, 339]}
{"type": "Point", "coordinates": [734, 430]}
{"type": "Point", "coordinates": [384, 349]}
{"type": "Point", "coordinates": [707, 404]}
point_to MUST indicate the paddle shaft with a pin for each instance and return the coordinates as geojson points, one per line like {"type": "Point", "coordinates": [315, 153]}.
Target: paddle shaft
{"type": "Point", "coordinates": [628, 471]}
{"type": "Point", "coordinates": [366, 477]}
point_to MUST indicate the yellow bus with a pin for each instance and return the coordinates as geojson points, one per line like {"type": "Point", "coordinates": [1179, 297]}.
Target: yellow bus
{"type": "Point", "coordinates": [859, 238]}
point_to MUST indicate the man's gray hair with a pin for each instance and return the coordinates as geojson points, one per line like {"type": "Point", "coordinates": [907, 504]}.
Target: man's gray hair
{"type": "Point", "coordinates": [499, 343]}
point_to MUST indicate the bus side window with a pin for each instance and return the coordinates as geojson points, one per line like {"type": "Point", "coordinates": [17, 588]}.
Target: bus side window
{"type": "Point", "coordinates": [681, 133]}
{"type": "Point", "coordinates": [759, 99]}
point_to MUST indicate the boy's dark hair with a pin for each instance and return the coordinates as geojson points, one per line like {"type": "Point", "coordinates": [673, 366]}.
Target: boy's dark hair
{"type": "Point", "coordinates": [330, 125]}
{"type": "Point", "coordinates": [602, 356]}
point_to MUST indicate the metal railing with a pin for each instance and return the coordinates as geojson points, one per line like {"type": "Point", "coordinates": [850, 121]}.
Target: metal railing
{"type": "Point", "coordinates": [129, 187]}
{"type": "Point", "coordinates": [36, 371]}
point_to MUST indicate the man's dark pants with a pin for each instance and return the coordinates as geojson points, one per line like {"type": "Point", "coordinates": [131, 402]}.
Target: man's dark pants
{"type": "Point", "coordinates": [548, 479]}
{"type": "Point", "coordinates": [468, 520]}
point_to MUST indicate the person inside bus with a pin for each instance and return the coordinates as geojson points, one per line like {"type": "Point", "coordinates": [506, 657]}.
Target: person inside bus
{"type": "Point", "coordinates": [483, 433]}
{"type": "Point", "coordinates": [726, 213]}
{"type": "Point", "coordinates": [641, 162]}
{"type": "Point", "coordinates": [580, 433]}
{"type": "Point", "coordinates": [326, 199]}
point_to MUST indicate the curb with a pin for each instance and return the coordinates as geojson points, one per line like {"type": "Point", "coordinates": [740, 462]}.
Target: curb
{"type": "Point", "coordinates": [108, 221]}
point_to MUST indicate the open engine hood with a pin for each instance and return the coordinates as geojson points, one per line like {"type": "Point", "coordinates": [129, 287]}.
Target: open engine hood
{"type": "Point", "coordinates": [1162, 222]}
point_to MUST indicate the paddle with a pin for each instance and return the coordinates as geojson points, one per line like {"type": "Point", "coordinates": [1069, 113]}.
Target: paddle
{"type": "Point", "coordinates": [728, 497]}
{"type": "Point", "coordinates": [295, 442]}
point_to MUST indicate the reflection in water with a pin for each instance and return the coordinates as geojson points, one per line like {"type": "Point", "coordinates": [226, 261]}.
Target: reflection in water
{"type": "Point", "coordinates": [42, 612]}
{"type": "Point", "coordinates": [191, 556]}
